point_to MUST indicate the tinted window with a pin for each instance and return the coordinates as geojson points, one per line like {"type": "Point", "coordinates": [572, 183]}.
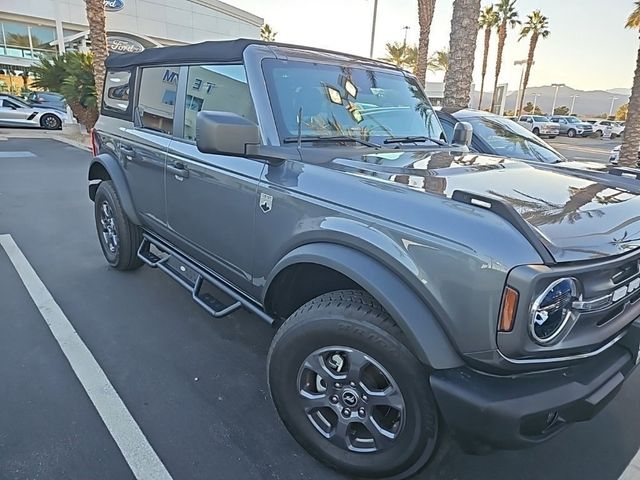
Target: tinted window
{"type": "Point", "coordinates": [157, 98]}
{"type": "Point", "coordinates": [448, 127]}
{"type": "Point", "coordinates": [10, 104]}
{"type": "Point", "coordinates": [221, 88]}
{"type": "Point", "coordinates": [511, 140]}
{"type": "Point", "coordinates": [116, 91]}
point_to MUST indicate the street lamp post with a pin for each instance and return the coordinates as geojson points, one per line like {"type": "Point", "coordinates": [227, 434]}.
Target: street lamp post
{"type": "Point", "coordinates": [373, 27]}
{"type": "Point", "coordinates": [406, 30]}
{"type": "Point", "coordinates": [535, 102]}
{"type": "Point", "coordinates": [573, 103]}
{"type": "Point", "coordinates": [516, 63]}
{"type": "Point", "coordinates": [555, 95]}
{"type": "Point", "coordinates": [613, 101]}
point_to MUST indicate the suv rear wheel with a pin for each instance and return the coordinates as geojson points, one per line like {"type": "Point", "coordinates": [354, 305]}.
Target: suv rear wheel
{"type": "Point", "coordinates": [119, 238]}
{"type": "Point", "coordinates": [348, 389]}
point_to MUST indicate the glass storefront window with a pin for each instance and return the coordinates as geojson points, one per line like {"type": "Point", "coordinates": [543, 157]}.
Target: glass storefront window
{"type": "Point", "coordinates": [25, 41]}
{"type": "Point", "coordinates": [42, 36]}
{"type": "Point", "coordinates": [16, 34]}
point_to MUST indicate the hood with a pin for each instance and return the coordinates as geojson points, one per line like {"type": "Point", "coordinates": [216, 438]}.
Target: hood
{"type": "Point", "coordinates": [578, 214]}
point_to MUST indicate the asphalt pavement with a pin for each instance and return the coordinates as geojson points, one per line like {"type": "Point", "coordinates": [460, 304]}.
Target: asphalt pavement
{"type": "Point", "coordinates": [195, 386]}
{"type": "Point", "coordinates": [584, 149]}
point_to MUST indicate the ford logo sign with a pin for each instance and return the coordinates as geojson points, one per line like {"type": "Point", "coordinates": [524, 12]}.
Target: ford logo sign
{"type": "Point", "coordinates": [123, 45]}
{"type": "Point", "coordinates": [113, 5]}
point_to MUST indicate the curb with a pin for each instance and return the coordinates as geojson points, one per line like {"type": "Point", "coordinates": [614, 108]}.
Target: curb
{"type": "Point", "coordinates": [57, 137]}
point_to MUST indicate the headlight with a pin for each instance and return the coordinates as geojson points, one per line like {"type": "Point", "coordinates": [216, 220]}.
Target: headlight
{"type": "Point", "coordinates": [551, 311]}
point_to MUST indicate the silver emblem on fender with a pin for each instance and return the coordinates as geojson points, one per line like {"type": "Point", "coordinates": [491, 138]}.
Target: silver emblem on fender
{"type": "Point", "coordinates": [265, 202]}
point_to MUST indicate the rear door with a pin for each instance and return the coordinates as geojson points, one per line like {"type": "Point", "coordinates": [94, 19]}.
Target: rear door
{"type": "Point", "coordinates": [143, 146]}
{"type": "Point", "coordinates": [212, 199]}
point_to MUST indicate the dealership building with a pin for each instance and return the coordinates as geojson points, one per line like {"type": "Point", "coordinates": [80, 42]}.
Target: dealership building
{"type": "Point", "coordinates": [29, 28]}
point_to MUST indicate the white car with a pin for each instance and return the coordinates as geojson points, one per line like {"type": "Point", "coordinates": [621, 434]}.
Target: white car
{"type": "Point", "coordinates": [601, 126]}
{"type": "Point", "coordinates": [614, 156]}
{"type": "Point", "coordinates": [539, 125]}
{"type": "Point", "coordinates": [14, 112]}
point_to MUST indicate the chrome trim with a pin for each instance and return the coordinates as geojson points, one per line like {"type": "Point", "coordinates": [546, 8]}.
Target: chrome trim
{"type": "Point", "coordinates": [536, 306]}
{"type": "Point", "coordinates": [580, 356]}
{"type": "Point", "coordinates": [586, 305]}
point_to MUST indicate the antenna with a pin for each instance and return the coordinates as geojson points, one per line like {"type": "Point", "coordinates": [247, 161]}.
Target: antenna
{"type": "Point", "coordinates": [300, 128]}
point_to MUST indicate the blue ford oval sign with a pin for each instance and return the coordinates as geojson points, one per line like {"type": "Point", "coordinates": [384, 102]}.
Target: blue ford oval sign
{"type": "Point", "coordinates": [113, 5]}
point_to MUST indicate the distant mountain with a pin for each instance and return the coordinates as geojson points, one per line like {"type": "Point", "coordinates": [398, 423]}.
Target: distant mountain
{"type": "Point", "coordinates": [588, 103]}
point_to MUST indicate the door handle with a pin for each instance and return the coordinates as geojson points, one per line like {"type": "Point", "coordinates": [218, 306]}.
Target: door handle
{"type": "Point", "coordinates": [179, 170]}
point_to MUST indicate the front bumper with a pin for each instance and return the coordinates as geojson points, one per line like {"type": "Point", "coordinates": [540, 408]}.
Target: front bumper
{"type": "Point", "coordinates": [549, 132]}
{"type": "Point", "coordinates": [513, 412]}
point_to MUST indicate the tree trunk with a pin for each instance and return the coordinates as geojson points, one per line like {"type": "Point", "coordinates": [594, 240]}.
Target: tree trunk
{"type": "Point", "coordinates": [425, 16]}
{"type": "Point", "coordinates": [98, 35]}
{"type": "Point", "coordinates": [485, 58]}
{"type": "Point", "coordinates": [631, 143]}
{"type": "Point", "coordinates": [532, 49]}
{"type": "Point", "coordinates": [462, 53]}
{"type": "Point", "coordinates": [86, 116]}
{"type": "Point", "coordinates": [502, 38]}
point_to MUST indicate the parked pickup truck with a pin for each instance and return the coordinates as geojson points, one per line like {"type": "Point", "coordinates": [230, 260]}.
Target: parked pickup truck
{"type": "Point", "coordinates": [539, 125]}
{"type": "Point", "coordinates": [418, 292]}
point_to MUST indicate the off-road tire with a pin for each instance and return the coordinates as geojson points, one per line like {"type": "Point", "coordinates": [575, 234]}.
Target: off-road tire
{"type": "Point", "coordinates": [352, 318]}
{"type": "Point", "coordinates": [129, 235]}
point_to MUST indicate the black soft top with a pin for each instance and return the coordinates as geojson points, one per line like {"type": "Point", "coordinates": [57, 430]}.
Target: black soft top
{"type": "Point", "coordinates": [219, 51]}
{"type": "Point", "coordinates": [224, 51]}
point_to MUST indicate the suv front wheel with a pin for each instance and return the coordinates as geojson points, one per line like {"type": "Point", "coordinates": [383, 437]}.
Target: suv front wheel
{"type": "Point", "coordinates": [348, 389]}
{"type": "Point", "coordinates": [119, 238]}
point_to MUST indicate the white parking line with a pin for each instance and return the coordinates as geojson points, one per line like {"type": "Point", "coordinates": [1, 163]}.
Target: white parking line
{"type": "Point", "coordinates": [21, 154]}
{"type": "Point", "coordinates": [135, 448]}
{"type": "Point", "coordinates": [632, 472]}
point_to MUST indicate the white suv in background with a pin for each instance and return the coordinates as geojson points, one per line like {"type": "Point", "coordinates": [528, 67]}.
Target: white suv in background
{"type": "Point", "coordinates": [601, 126]}
{"type": "Point", "coordinates": [539, 125]}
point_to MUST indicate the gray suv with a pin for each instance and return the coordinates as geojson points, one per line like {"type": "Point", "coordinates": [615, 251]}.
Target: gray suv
{"type": "Point", "coordinates": [419, 293]}
{"type": "Point", "coordinates": [572, 126]}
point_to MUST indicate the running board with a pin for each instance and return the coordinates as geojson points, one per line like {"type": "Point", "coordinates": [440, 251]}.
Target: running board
{"type": "Point", "coordinates": [193, 277]}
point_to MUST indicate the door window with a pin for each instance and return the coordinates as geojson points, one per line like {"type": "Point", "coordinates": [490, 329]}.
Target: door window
{"type": "Point", "coordinates": [157, 98]}
{"type": "Point", "coordinates": [116, 91]}
{"type": "Point", "coordinates": [221, 88]}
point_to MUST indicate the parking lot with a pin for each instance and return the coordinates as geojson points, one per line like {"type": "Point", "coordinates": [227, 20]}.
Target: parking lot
{"type": "Point", "coordinates": [194, 388]}
{"type": "Point", "coordinates": [584, 149]}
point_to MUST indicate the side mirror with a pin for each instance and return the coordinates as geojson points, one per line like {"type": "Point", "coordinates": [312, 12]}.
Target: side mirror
{"type": "Point", "coordinates": [225, 133]}
{"type": "Point", "coordinates": [462, 134]}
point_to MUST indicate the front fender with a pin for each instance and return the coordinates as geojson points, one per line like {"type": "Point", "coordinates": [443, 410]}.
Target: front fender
{"type": "Point", "coordinates": [424, 334]}
{"type": "Point", "coordinates": [103, 164]}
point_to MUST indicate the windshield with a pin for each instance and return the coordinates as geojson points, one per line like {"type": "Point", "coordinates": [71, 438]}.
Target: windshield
{"type": "Point", "coordinates": [539, 118]}
{"type": "Point", "coordinates": [573, 120]}
{"type": "Point", "coordinates": [512, 140]}
{"type": "Point", "coordinates": [357, 101]}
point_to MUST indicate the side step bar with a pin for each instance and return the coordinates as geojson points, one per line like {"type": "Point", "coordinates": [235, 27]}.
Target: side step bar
{"type": "Point", "coordinates": [192, 277]}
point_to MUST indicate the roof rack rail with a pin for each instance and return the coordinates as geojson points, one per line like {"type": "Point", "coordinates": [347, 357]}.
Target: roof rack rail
{"type": "Point", "coordinates": [508, 213]}
{"type": "Point", "coordinates": [625, 172]}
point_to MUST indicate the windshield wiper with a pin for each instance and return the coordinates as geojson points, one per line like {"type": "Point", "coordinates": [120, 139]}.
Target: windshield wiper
{"type": "Point", "coordinates": [414, 139]}
{"type": "Point", "coordinates": [330, 138]}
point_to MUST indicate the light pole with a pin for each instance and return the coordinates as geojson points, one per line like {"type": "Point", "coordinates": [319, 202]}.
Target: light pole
{"type": "Point", "coordinates": [613, 101]}
{"type": "Point", "coordinates": [373, 27]}
{"type": "Point", "coordinates": [573, 103]}
{"type": "Point", "coordinates": [555, 95]}
{"type": "Point", "coordinates": [406, 30]}
{"type": "Point", "coordinates": [519, 62]}
{"type": "Point", "coordinates": [535, 102]}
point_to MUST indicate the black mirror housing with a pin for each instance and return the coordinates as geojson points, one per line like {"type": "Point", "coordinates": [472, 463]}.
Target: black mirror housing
{"type": "Point", "coordinates": [462, 134]}
{"type": "Point", "coordinates": [225, 133]}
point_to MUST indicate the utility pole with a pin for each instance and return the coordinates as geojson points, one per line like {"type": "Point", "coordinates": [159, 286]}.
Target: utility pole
{"type": "Point", "coordinates": [555, 96]}
{"type": "Point", "coordinates": [613, 101]}
{"type": "Point", "coordinates": [373, 27]}
{"type": "Point", "coordinates": [406, 30]}
{"type": "Point", "coordinates": [535, 102]}
{"type": "Point", "coordinates": [519, 62]}
{"type": "Point", "coordinates": [573, 103]}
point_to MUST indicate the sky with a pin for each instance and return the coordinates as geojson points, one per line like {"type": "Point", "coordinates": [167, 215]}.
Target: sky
{"type": "Point", "coordinates": [588, 48]}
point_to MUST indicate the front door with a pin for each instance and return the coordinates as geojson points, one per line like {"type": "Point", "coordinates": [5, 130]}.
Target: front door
{"type": "Point", "coordinates": [13, 113]}
{"type": "Point", "coordinates": [212, 199]}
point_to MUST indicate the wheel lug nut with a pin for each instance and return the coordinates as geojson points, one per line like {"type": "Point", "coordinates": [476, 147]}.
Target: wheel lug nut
{"type": "Point", "coordinates": [361, 412]}
{"type": "Point", "coordinates": [365, 398]}
{"type": "Point", "coordinates": [334, 399]}
{"type": "Point", "coordinates": [353, 384]}
{"type": "Point", "coordinates": [346, 412]}
{"type": "Point", "coordinates": [337, 385]}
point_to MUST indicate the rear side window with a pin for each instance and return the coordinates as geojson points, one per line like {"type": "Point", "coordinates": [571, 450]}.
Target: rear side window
{"type": "Point", "coordinates": [157, 98]}
{"type": "Point", "coordinates": [221, 88]}
{"type": "Point", "coordinates": [116, 92]}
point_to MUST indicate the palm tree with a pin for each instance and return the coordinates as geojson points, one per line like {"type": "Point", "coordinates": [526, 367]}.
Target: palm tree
{"type": "Point", "coordinates": [267, 34]}
{"type": "Point", "coordinates": [631, 143]}
{"type": "Point", "coordinates": [401, 55]}
{"type": "Point", "coordinates": [98, 35]}
{"type": "Point", "coordinates": [439, 61]}
{"type": "Point", "coordinates": [537, 25]}
{"type": "Point", "coordinates": [508, 18]}
{"type": "Point", "coordinates": [462, 47]}
{"type": "Point", "coordinates": [425, 16]}
{"type": "Point", "coordinates": [488, 21]}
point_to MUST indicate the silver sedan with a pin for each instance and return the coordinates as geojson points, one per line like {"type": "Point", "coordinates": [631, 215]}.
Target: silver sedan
{"type": "Point", "coordinates": [14, 112]}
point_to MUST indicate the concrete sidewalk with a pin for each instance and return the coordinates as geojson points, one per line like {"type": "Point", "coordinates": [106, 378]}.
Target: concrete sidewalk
{"type": "Point", "coordinates": [79, 140]}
